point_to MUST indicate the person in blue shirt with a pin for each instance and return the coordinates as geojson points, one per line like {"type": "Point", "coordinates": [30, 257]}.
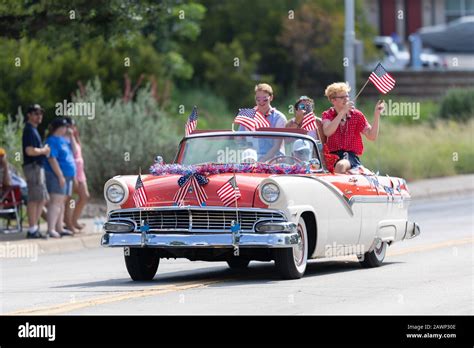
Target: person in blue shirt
{"type": "Point", "coordinates": [34, 156]}
{"type": "Point", "coordinates": [267, 148]}
{"type": "Point", "coordinates": [60, 170]}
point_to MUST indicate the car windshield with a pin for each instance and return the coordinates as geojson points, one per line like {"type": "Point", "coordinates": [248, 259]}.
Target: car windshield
{"type": "Point", "coordinates": [231, 149]}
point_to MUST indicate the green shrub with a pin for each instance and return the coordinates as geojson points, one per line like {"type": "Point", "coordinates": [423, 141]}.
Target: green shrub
{"type": "Point", "coordinates": [11, 130]}
{"type": "Point", "coordinates": [123, 136]}
{"type": "Point", "coordinates": [214, 113]}
{"type": "Point", "coordinates": [458, 104]}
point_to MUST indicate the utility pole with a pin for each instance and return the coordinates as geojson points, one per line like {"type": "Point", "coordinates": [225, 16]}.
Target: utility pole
{"type": "Point", "coordinates": [349, 42]}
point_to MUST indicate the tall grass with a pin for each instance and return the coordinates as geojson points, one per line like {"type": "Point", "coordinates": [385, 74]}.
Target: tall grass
{"type": "Point", "coordinates": [423, 150]}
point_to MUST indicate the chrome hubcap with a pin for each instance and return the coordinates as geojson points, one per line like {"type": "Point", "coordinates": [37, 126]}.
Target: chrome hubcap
{"type": "Point", "coordinates": [298, 250]}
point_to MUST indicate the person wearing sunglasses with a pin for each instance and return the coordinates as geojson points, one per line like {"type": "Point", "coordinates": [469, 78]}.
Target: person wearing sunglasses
{"type": "Point", "coordinates": [344, 125]}
{"type": "Point", "coordinates": [268, 148]}
{"type": "Point", "coordinates": [305, 105]}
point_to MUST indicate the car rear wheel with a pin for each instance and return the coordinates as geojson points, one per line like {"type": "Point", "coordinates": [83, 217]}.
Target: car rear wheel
{"type": "Point", "coordinates": [375, 257]}
{"type": "Point", "coordinates": [291, 262]}
{"type": "Point", "coordinates": [141, 263]}
{"type": "Point", "coordinates": [238, 263]}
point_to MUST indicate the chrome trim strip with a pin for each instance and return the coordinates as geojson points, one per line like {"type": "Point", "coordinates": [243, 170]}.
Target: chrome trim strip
{"type": "Point", "coordinates": [123, 219]}
{"type": "Point", "coordinates": [332, 188]}
{"type": "Point", "coordinates": [197, 207]}
{"type": "Point", "coordinates": [377, 199]}
{"type": "Point", "coordinates": [247, 240]}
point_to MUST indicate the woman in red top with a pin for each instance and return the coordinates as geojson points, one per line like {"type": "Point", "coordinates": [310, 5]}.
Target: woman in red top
{"type": "Point", "coordinates": [344, 126]}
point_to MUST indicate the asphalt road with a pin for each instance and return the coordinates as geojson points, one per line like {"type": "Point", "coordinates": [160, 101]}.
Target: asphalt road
{"type": "Point", "coordinates": [432, 274]}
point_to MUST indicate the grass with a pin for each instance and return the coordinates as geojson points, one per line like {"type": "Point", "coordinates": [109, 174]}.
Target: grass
{"type": "Point", "coordinates": [423, 150]}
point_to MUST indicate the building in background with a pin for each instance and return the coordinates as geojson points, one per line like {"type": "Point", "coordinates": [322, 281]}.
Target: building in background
{"type": "Point", "coordinates": [405, 17]}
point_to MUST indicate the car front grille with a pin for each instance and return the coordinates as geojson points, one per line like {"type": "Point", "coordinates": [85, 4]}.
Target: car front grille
{"type": "Point", "coordinates": [197, 220]}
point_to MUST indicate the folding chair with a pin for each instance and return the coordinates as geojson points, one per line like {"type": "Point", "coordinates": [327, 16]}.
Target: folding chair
{"type": "Point", "coordinates": [11, 208]}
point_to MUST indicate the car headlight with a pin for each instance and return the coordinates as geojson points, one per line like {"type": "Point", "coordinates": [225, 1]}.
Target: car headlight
{"type": "Point", "coordinates": [270, 193]}
{"type": "Point", "coordinates": [115, 193]}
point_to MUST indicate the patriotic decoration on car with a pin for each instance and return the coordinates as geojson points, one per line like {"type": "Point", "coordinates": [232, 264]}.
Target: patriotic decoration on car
{"type": "Point", "coordinates": [381, 79]}
{"type": "Point", "coordinates": [229, 193]}
{"type": "Point", "coordinates": [252, 119]}
{"type": "Point", "coordinates": [192, 122]}
{"type": "Point", "coordinates": [193, 182]}
{"type": "Point", "coordinates": [211, 169]}
{"type": "Point", "coordinates": [139, 196]}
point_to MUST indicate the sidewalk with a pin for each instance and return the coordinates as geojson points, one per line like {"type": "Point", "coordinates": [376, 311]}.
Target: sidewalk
{"type": "Point", "coordinates": [438, 187]}
{"type": "Point", "coordinates": [90, 237]}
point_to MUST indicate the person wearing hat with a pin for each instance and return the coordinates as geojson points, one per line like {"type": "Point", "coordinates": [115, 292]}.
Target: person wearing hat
{"type": "Point", "coordinates": [302, 150]}
{"type": "Point", "coordinates": [34, 157]}
{"type": "Point", "coordinates": [249, 156]}
{"type": "Point", "coordinates": [303, 106]}
{"type": "Point", "coordinates": [60, 170]}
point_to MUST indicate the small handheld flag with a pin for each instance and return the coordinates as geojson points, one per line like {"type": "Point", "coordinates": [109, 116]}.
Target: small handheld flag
{"type": "Point", "coordinates": [192, 122]}
{"type": "Point", "coordinates": [381, 79]}
{"type": "Point", "coordinates": [229, 193]}
{"type": "Point", "coordinates": [139, 196]}
{"type": "Point", "coordinates": [309, 122]}
{"type": "Point", "coordinates": [251, 119]}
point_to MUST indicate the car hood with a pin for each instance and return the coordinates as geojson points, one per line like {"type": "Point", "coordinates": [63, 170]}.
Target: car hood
{"type": "Point", "coordinates": [160, 190]}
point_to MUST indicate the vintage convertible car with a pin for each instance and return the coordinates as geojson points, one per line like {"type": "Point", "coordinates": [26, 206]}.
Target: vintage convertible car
{"type": "Point", "coordinates": [223, 199]}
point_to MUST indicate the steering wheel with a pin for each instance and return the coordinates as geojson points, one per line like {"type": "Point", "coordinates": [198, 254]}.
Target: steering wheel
{"type": "Point", "coordinates": [276, 158]}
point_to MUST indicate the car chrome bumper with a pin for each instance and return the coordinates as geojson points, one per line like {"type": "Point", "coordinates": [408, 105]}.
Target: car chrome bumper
{"type": "Point", "coordinates": [201, 240]}
{"type": "Point", "coordinates": [412, 230]}
{"type": "Point", "coordinates": [267, 234]}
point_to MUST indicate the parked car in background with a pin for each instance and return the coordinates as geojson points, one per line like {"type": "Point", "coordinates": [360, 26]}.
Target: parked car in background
{"type": "Point", "coordinates": [456, 36]}
{"type": "Point", "coordinates": [397, 57]}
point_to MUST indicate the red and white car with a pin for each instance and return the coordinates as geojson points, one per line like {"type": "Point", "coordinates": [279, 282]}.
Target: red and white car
{"type": "Point", "coordinates": [289, 208]}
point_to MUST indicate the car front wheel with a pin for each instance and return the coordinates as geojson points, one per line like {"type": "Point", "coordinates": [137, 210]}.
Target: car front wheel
{"type": "Point", "coordinates": [141, 263]}
{"type": "Point", "coordinates": [291, 262]}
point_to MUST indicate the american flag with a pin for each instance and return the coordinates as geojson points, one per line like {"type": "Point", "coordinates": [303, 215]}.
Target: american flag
{"type": "Point", "coordinates": [201, 195]}
{"type": "Point", "coordinates": [382, 79]}
{"type": "Point", "coordinates": [192, 122]}
{"type": "Point", "coordinates": [246, 118]}
{"type": "Point", "coordinates": [229, 193]}
{"type": "Point", "coordinates": [251, 119]}
{"type": "Point", "coordinates": [309, 122]}
{"type": "Point", "coordinates": [139, 196]}
{"type": "Point", "coordinates": [261, 121]}
{"type": "Point", "coordinates": [185, 182]}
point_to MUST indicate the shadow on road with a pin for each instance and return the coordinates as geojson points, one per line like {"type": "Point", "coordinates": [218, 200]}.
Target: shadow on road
{"type": "Point", "coordinates": [257, 273]}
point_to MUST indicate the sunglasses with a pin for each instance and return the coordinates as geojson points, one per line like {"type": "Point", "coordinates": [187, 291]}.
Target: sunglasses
{"type": "Point", "coordinates": [260, 99]}
{"type": "Point", "coordinates": [302, 107]}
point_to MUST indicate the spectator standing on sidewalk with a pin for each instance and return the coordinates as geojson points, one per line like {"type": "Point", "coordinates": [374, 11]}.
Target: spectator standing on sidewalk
{"type": "Point", "coordinates": [60, 170]}
{"type": "Point", "coordinates": [80, 182]}
{"type": "Point", "coordinates": [34, 157]}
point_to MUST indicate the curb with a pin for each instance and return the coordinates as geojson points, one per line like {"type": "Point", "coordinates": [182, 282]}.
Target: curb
{"type": "Point", "coordinates": [442, 187]}
{"type": "Point", "coordinates": [56, 246]}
